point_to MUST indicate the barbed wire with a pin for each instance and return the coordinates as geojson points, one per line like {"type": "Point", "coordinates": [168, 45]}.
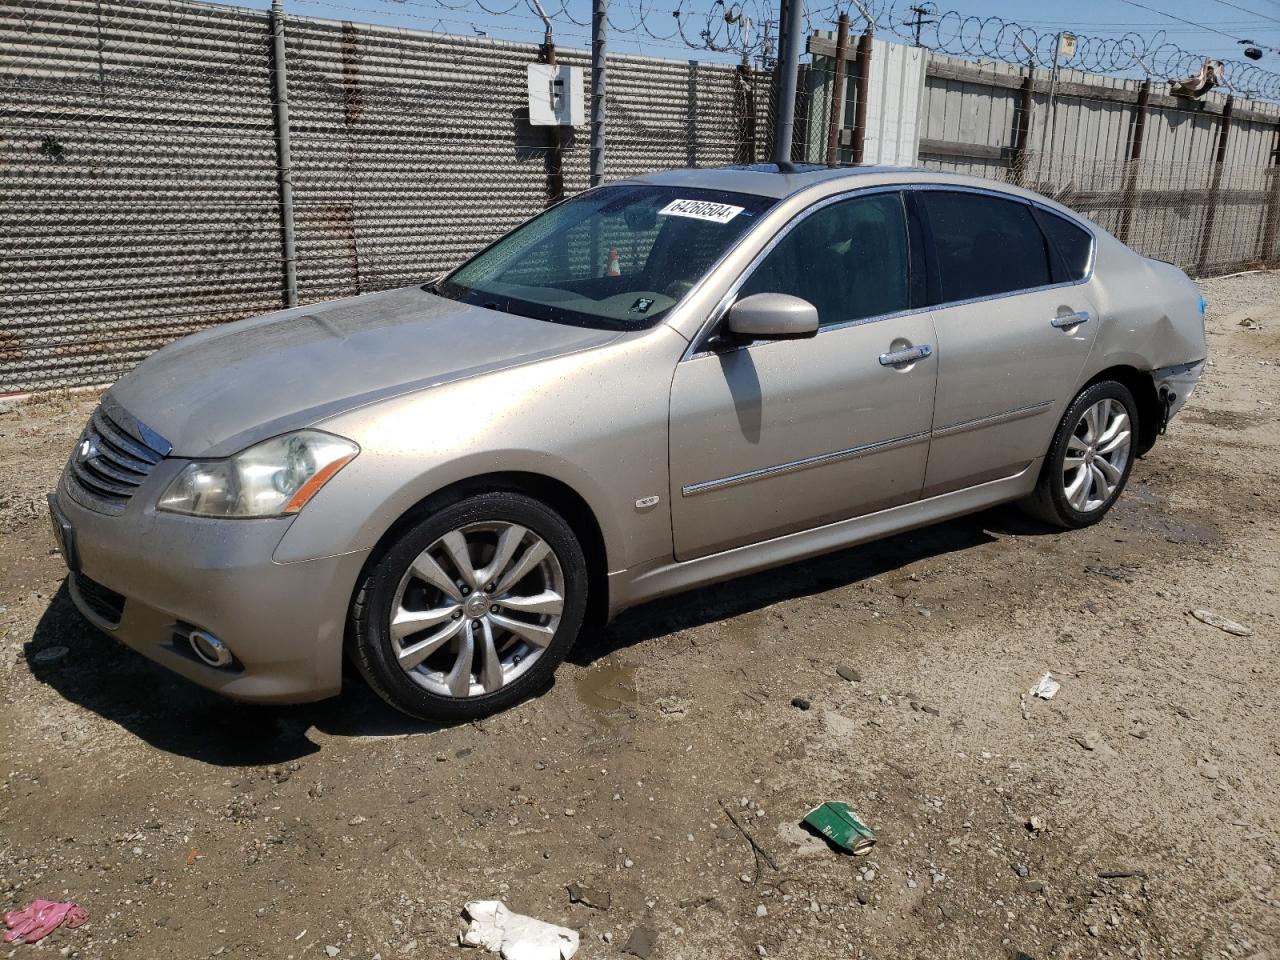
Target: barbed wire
{"type": "Point", "coordinates": [746, 28]}
{"type": "Point", "coordinates": [1008, 41]}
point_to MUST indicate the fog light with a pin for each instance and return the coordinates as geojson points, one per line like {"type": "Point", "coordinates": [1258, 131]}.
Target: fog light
{"type": "Point", "coordinates": [209, 648]}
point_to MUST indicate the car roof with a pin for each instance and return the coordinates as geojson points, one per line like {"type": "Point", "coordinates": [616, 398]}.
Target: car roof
{"type": "Point", "coordinates": [768, 180]}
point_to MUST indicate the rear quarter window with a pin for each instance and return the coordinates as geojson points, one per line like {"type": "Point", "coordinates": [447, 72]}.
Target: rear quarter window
{"type": "Point", "coordinates": [1072, 243]}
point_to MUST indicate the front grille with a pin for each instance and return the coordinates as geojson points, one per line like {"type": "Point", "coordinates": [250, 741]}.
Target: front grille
{"type": "Point", "coordinates": [114, 454]}
{"type": "Point", "coordinates": [103, 601]}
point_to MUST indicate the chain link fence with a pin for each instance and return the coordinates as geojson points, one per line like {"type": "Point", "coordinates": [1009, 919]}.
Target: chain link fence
{"type": "Point", "coordinates": [141, 180]}
{"type": "Point", "coordinates": [139, 183]}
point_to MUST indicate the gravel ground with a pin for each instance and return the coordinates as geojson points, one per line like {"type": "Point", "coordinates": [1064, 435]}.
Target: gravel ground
{"type": "Point", "coordinates": [1134, 815]}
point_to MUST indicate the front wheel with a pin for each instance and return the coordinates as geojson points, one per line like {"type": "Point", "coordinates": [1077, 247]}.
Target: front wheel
{"type": "Point", "coordinates": [1089, 459]}
{"type": "Point", "coordinates": [471, 609]}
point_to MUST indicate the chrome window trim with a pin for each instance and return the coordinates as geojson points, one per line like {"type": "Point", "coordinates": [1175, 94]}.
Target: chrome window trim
{"type": "Point", "coordinates": [1013, 198]}
{"type": "Point", "coordinates": [791, 466]}
{"type": "Point", "coordinates": [697, 346]}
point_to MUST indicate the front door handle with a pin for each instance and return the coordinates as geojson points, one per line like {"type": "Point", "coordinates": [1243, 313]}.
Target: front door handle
{"type": "Point", "coordinates": [909, 355]}
{"type": "Point", "coordinates": [1070, 319]}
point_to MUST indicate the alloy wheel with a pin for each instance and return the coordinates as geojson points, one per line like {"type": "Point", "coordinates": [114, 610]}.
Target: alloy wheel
{"type": "Point", "coordinates": [477, 608]}
{"type": "Point", "coordinates": [1097, 455]}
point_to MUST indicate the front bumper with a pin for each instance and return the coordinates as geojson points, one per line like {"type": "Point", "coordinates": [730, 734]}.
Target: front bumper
{"type": "Point", "coordinates": [166, 574]}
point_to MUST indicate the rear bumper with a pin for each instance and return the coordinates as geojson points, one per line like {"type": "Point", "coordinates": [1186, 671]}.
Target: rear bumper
{"type": "Point", "coordinates": [1174, 385]}
{"type": "Point", "coordinates": [166, 574]}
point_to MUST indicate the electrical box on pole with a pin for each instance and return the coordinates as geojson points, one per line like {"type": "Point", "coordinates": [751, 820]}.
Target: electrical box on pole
{"type": "Point", "coordinates": [555, 96]}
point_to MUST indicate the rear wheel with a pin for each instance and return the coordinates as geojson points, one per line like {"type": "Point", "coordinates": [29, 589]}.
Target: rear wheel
{"type": "Point", "coordinates": [472, 609]}
{"type": "Point", "coordinates": [1089, 459]}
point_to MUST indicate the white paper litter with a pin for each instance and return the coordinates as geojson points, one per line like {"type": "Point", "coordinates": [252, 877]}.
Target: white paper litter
{"type": "Point", "coordinates": [515, 936]}
{"type": "Point", "coordinates": [1046, 687]}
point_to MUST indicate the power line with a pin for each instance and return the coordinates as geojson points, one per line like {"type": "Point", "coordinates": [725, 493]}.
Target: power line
{"type": "Point", "coordinates": [1236, 6]}
{"type": "Point", "coordinates": [1174, 16]}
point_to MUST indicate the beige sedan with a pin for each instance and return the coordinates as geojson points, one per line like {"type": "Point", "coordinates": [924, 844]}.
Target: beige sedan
{"type": "Point", "coordinates": [660, 383]}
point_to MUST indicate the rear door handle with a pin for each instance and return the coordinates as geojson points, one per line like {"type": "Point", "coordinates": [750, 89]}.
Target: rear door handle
{"type": "Point", "coordinates": [909, 355]}
{"type": "Point", "coordinates": [1070, 319]}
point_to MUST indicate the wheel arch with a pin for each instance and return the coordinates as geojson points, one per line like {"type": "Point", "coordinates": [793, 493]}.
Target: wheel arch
{"type": "Point", "coordinates": [1143, 387]}
{"type": "Point", "coordinates": [556, 494]}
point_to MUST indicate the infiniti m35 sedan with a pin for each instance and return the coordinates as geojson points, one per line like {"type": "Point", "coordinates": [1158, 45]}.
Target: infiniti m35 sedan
{"type": "Point", "coordinates": [659, 383]}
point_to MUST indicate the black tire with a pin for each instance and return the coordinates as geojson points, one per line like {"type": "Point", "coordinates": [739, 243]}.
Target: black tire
{"type": "Point", "coordinates": [1049, 501]}
{"type": "Point", "coordinates": [370, 644]}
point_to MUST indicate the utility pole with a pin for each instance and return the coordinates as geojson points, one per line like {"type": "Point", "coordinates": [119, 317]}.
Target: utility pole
{"type": "Point", "coordinates": [788, 77]}
{"type": "Point", "coordinates": [919, 13]}
{"type": "Point", "coordinates": [555, 156]}
{"type": "Point", "coordinates": [599, 31]}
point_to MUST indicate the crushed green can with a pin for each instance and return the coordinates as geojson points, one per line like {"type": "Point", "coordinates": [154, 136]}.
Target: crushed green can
{"type": "Point", "coordinates": [839, 824]}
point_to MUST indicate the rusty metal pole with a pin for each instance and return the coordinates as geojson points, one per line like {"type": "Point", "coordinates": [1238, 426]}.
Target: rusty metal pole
{"type": "Point", "coordinates": [1022, 129]}
{"type": "Point", "coordinates": [1271, 223]}
{"type": "Point", "coordinates": [1135, 155]}
{"type": "Point", "coordinates": [555, 150]}
{"type": "Point", "coordinates": [1215, 187]}
{"type": "Point", "coordinates": [861, 86]}
{"type": "Point", "coordinates": [837, 92]}
{"type": "Point", "coordinates": [284, 159]}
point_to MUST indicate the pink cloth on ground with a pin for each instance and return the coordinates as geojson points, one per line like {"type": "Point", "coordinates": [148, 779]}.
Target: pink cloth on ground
{"type": "Point", "coordinates": [40, 918]}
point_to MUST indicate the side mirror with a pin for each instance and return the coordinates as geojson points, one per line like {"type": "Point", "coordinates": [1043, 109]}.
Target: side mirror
{"type": "Point", "coordinates": [772, 316]}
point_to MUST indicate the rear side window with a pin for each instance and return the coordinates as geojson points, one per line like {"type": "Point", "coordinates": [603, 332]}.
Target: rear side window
{"type": "Point", "coordinates": [1072, 243]}
{"type": "Point", "coordinates": [849, 259]}
{"type": "Point", "coordinates": [982, 246]}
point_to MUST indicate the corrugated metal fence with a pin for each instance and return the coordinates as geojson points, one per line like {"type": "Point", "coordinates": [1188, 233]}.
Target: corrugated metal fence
{"type": "Point", "coordinates": [139, 175]}
{"type": "Point", "coordinates": [1190, 181]}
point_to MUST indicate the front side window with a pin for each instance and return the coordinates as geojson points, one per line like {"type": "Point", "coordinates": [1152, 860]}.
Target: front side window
{"type": "Point", "coordinates": [619, 257]}
{"type": "Point", "coordinates": [982, 246]}
{"type": "Point", "coordinates": [848, 259]}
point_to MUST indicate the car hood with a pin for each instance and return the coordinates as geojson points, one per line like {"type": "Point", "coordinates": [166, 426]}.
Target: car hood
{"type": "Point", "coordinates": [216, 392]}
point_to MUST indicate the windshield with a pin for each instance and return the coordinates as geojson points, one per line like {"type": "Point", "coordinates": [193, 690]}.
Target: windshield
{"type": "Point", "coordinates": [619, 257]}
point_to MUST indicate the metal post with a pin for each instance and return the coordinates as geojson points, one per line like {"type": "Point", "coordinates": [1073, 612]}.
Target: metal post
{"type": "Point", "coordinates": [1135, 155]}
{"type": "Point", "coordinates": [599, 30]}
{"type": "Point", "coordinates": [788, 73]}
{"type": "Point", "coordinates": [745, 119]}
{"type": "Point", "coordinates": [1220, 159]}
{"type": "Point", "coordinates": [1022, 128]}
{"type": "Point", "coordinates": [862, 89]}
{"type": "Point", "coordinates": [1052, 106]}
{"type": "Point", "coordinates": [1271, 223]}
{"type": "Point", "coordinates": [837, 92]}
{"type": "Point", "coordinates": [283, 157]}
{"type": "Point", "coordinates": [555, 160]}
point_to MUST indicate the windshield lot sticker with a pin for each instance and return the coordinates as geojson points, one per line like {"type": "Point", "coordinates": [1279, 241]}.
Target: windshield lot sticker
{"type": "Point", "coordinates": [642, 305]}
{"type": "Point", "coordinates": [701, 210]}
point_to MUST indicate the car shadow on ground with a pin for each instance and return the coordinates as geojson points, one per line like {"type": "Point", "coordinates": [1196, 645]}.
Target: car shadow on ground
{"type": "Point", "coordinates": [172, 714]}
{"type": "Point", "coordinates": [817, 575]}
{"type": "Point", "coordinates": [178, 717]}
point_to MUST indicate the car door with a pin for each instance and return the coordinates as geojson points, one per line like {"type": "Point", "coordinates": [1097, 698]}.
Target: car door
{"type": "Point", "coordinates": [1014, 327]}
{"type": "Point", "coordinates": [775, 437]}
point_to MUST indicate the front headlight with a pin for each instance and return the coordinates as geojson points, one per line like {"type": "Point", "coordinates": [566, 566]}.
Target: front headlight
{"type": "Point", "coordinates": [271, 479]}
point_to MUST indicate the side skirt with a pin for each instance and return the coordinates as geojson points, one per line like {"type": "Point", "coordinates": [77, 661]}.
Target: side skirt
{"type": "Point", "coordinates": [630, 587]}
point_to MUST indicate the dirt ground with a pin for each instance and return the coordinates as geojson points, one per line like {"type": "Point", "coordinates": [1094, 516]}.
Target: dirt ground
{"type": "Point", "coordinates": [1134, 815]}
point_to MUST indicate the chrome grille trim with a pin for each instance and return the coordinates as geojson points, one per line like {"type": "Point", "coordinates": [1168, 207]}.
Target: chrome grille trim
{"type": "Point", "coordinates": [114, 455]}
